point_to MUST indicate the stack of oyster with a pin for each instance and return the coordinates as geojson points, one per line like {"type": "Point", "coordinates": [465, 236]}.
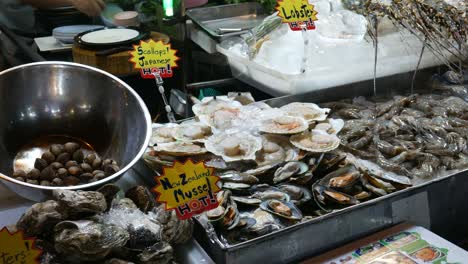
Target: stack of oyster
{"type": "Point", "coordinates": [104, 226]}
{"type": "Point", "coordinates": [278, 166]}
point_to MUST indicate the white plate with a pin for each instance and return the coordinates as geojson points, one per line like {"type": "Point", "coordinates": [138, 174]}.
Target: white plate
{"type": "Point", "coordinates": [109, 36]}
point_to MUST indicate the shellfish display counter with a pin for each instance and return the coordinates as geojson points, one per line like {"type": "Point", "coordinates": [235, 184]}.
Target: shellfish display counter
{"type": "Point", "coordinates": [283, 169]}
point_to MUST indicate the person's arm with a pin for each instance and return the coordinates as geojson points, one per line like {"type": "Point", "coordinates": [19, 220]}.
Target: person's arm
{"type": "Point", "coordinates": [89, 7]}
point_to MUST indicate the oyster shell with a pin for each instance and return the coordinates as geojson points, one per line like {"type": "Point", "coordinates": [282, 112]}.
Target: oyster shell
{"type": "Point", "coordinates": [192, 132]}
{"type": "Point", "coordinates": [142, 198]}
{"type": "Point", "coordinates": [276, 148]}
{"type": "Point", "coordinates": [117, 261]}
{"type": "Point", "coordinates": [285, 125]}
{"type": "Point", "coordinates": [234, 146]}
{"type": "Point", "coordinates": [81, 202]}
{"type": "Point", "coordinates": [159, 253]}
{"type": "Point", "coordinates": [41, 217]}
{"type": "Point", "coordinates": [180, 149]}
{"type": "Point", "coordinates": [85, 240]}
{"type": "Point", "coordinates": [282, 209]}
{"type": "Point", "coordinates": [109, 191]}
{"type": "Point", "coordinates": [315, 141]}
{"type": "Point", "coordinates": [162, 133]}
{"type": "Point", "coordinates": [309, 111]}
{"type": "Point", "coordinates": [174, 230]}
{"type": "Point", "coordinates": [124, 203]}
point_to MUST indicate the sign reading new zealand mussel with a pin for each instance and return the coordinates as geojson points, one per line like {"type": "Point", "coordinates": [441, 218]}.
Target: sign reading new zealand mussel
{"type": "Point", "coordinates": [283, 166]}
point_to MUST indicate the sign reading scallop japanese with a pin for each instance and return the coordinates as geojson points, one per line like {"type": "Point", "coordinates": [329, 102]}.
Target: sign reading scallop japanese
{"type": "Point", "coordinates": [15, 249]}
{"type": "Point", "coordinates": [150, 56]}
{"type": "Point", "coordinates": [299, 14]}
{"type": "Point", "coordinates": [189, 188]}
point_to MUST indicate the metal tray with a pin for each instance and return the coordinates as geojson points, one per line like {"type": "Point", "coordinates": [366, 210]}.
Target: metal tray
{"type": "Point", "coordinates": [243, 16]}
{"type": "Point", "coordinates": [437, 205]}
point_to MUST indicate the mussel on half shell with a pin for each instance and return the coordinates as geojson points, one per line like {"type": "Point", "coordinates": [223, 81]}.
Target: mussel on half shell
{"type": "Point", "coordinates": [282, 209]}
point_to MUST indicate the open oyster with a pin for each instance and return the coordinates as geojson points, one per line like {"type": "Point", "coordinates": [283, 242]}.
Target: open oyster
{"type": "Point", "coordinates": [192, 132]}
{"type": "Point", "coordinates": [180, 149]}
{"type": "Point", "coordinates": [234, 146]}
{"type": "Point", "coordinates": [86, 240]}
{"type": "Point", "coordinates": [284, 125]}
{"type": "Point", "coordinates": [162, 133]}
{"type": "Point", "coordinates": [315, 141]}
{"type": "Point", "coordinates": [276, 148]}
{"type": "Point", "coordinates": [309, 111]}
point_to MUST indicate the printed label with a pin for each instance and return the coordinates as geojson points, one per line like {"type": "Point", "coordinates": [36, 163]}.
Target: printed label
{"type": "Point", "coordinates": [189, 188]}
{"type": "Point", "coordinates": [297, 13]}
{"type": "Point", "coordinates": [15, 249]}
{"type": "Point", "coordinates": [150, 56]}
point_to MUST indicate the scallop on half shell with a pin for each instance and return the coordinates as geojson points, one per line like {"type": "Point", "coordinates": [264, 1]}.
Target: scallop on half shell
{"type": "Point", "coordinates": [276, 148]}
{"type": "Point", "coordinates": [222, 118]}
{"type": "Point", "coordinates": [285, 125]}
{"type": "Point", "coordinates": [192, 132]}
{"type": "Point", "coordinates": [331, 126]}
{"type": "Point", "coordinates": [234, 146]}
{"type": "Point", "coordinates": [180, 149]}
{"type": "Point", "coordinates": [162, 133]}
{"type": "Point", "coordinates": [315, 141]}
{"type": "Point", "coordinates": [211, 104]}
{"type": "Point", "coordinates": [309, 111]}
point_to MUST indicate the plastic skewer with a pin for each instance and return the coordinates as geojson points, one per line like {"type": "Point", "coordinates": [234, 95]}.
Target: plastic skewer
{"type": "Point", "coordinates": [167, 107]}
{"type": "Point", "coordinates": [306, 45]}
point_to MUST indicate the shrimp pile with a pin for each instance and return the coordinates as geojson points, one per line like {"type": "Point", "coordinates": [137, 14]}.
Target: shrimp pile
{"type": "Point", "coordinates": [416, 136]}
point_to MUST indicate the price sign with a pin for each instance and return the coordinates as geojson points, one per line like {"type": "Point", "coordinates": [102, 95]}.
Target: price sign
{"type": "Point", "coordinates": [150, 56]}
{"type": "Point", "coordinates": [189, 188]}
{"type": "Point", "coordinates": [297, 13]}
{"type": "Point", "coordinates": [15, 249]}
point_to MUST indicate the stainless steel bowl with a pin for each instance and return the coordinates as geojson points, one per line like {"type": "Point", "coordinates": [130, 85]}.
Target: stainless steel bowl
{"type": "Point", "coordinates": [47, 98]}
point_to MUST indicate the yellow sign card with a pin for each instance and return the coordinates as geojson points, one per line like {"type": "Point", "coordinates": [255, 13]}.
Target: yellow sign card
{"type": "Point", "coordinates": [151, 54]}
{"type": "Point", "coordinates": [188, 187]}
{"type": "Point", "coordinates": [15, 249]}
{"type": "Point", "coordinates": [297, 12]}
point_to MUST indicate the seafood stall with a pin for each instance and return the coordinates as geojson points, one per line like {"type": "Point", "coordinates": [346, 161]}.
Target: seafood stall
{"type": "Point", "coordinates": [355, 143]}
{"type": "Point", "coordinates": [300, 178]}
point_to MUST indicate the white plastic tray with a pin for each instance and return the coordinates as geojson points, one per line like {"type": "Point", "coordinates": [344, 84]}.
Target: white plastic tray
{"type": "Point", "coordinates": [339, 64]}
